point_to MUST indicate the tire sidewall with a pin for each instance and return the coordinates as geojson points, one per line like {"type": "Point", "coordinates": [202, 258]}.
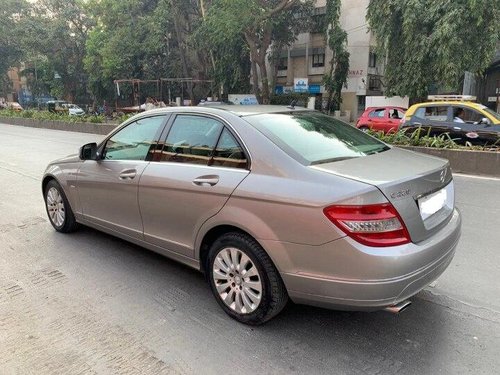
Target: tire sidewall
{"type": "Point", "coordinates": [233, 240]}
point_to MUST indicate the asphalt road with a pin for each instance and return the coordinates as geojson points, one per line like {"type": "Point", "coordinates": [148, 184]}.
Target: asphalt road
{"type": "Point", "coordinates": [88, 303]}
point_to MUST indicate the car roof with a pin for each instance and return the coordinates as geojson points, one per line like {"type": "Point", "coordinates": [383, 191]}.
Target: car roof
{"type": "Point", "coordinates": [238, 110]}
{"type": "Point", "coordinates": [450, 102]}
{"type": "Point", "coordinates": [384, 106]}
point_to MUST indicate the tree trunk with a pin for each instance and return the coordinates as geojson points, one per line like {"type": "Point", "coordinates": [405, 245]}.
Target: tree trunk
{"type": "Point", "coordinates": [263, 78]}
{"type": "Point", "coordinates": [255, 82]}
{"type": "Point", "coordinates": [182, 54]}
{"type": "Point", "coordinates": [331, 93]}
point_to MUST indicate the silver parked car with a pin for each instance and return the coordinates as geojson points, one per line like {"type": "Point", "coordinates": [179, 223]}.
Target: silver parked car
{"type": "Point", "coordinates": [270, 202]}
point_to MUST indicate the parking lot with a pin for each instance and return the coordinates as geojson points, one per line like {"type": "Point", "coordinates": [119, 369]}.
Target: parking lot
{"type": "Point", "coordinates": [88, 303]}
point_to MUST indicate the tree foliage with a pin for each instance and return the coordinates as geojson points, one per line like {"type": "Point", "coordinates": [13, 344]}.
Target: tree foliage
{"type": "Point", "coordinates": [429, 42]}
{"type": "Point", "coordinates": [11, 51]}
{"type": "Point", "coordinates": [57, 30]}
{"type": "Point", "coordinates": [336, 39]}
{"type": "Point", "coordinates": [259, 23]}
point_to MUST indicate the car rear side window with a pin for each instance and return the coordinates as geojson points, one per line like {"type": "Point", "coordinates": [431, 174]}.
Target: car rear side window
{"type": "Point", "coordinates": [191, 139]}
{"type": "Point", "coordinates": [228, 152]}
{"type": "Point", "coordinates": [378, 113]}
{"type": "Point", "coordinates": [314, 138]}
{"type": "Point", "coordinates": [433, 113]}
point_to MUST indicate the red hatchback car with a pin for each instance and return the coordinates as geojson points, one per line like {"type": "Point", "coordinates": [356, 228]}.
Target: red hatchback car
{"type": "Point", "coordinates": [386, 119]}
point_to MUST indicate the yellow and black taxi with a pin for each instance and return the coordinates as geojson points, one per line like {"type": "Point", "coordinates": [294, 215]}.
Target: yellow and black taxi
{"type": "Point", "coordinates": [458, 115]}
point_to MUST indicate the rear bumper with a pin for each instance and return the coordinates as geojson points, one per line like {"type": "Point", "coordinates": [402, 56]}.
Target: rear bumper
{"type": "Point", "coordinates": [364, 278]}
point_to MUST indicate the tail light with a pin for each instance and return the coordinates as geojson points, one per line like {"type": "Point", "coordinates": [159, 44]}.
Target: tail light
{"type": "Point", "coordinates": [377, 225]}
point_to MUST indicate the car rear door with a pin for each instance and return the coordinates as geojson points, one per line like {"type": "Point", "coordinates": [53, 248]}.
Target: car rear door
{"type": "Point", "coordinates": [435, 119]}
{"type": "Point", "coordinates": [107, 188]}
{"type": "Point", "coordinates": [189, 180]}
{"type": "Point", "coordinates": [377, 119]}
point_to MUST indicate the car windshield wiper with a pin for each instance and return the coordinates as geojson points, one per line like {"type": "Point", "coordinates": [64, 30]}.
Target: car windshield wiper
{"type": "Point", "coordinates": [377, 150]}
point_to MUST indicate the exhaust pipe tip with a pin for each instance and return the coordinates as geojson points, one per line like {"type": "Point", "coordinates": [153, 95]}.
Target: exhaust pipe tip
{"type": "Point", "coordinates": [398, 308]}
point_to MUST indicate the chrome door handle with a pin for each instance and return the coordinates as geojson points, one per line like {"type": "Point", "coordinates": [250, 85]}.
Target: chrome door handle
{"type": "Point", "coordinates": [456, 128]}
{"type": "Point", "coordinates": [206, 180]}
{"type": "Point", "coordinates": [128, 174]}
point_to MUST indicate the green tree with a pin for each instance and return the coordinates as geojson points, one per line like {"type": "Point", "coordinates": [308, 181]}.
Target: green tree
{"type": "Point", "coordinates": [120, 45]}
{"type": "Point", "coordinates": [429, 42]}
{"type": "Point", "coordinates": [11, 52]}
{"type": "Point", "coordinates": [136, 39]}
{"type": "Point", "coordinates": [259, 23]}
{"type": "Point", "coordinates": [55, 31]}
{"type": "Point", "coordinates": [228, 57]}
{"type": "Point", "coordinates": [336, 38]}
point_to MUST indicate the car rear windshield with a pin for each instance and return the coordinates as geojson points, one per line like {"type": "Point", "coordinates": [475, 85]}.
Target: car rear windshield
{"type": "Point", "coordinates": [315, 138]}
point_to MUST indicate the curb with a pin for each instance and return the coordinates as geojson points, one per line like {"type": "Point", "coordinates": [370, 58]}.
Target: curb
{"type": "Point", "coordinates": [485, 163]}
{"type": "Point", "coordinates": [81, 127]}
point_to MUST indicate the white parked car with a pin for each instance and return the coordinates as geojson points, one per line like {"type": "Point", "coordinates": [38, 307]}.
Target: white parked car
{"type": "Point", "coordinates": [74, 110]}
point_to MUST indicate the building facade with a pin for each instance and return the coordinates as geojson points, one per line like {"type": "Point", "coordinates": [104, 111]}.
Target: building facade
{"type": "Point", "coordinates": [302, 66]}
{"type": "Point", "coordinates": [17, 83]}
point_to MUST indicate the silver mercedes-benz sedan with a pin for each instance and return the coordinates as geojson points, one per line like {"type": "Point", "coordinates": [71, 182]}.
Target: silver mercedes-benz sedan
{"type": "Point", "coordinates": [271, 203]}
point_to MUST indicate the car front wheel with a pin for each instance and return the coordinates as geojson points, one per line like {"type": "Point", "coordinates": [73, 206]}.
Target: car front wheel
{"type": "Point", "coordinates": [58, 209]}
{"type": "Point", "coordinates": [244, 280]}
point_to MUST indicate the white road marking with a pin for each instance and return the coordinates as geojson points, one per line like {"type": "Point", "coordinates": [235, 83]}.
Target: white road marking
{"type": "Point", "coordinates": [476, 177]}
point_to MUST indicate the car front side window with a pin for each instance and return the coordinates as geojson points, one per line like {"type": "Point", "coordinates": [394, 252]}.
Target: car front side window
{"type": "Point", "coordinates": [470, 116]}
{"type": "Point", "coordinates": [134, 142]}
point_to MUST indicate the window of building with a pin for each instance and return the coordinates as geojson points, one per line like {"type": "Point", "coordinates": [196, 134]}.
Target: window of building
{"type": "Point", "coordinates": [283, 63]}
{"type": "Point", "coordinates": [372, 59]}
{"type": "Point", "coordinates": [318, 60]}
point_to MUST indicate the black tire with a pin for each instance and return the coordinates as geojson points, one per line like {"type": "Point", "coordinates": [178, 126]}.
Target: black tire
{"type": "Point", "coordinates": [274, 296]}
{"type": "Point", "coordinates": [69, 223]}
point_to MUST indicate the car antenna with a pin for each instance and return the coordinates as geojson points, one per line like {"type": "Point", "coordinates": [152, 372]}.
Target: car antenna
{"type": "Point", "coordinates": [292, 104]}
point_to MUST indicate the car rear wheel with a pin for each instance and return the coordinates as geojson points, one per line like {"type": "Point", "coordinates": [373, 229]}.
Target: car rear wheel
{"type": "Point", "coordinates": [244, 280]}
{"type": "Point", "coordinates": [58, 209]}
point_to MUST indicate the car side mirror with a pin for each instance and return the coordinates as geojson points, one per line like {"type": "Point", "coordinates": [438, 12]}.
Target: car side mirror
{"type": "Point", "coordinates": [88, 151]}
{"type": "Point", "coordinates": [485, 121]}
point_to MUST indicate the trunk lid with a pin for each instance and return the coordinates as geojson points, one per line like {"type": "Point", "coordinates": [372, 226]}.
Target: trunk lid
{"type": "Point", "coordinates": [414, 183]}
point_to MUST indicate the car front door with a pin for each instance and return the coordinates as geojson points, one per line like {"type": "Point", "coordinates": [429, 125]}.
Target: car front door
{"type": "Point", "coordinates": [189, 181]}
{"type": "Point", "coordinates": [474, 129]}
{"type": "Point", "coordinates": [107, 188]}
{"type": "Point", "coordinates": [394, 116]}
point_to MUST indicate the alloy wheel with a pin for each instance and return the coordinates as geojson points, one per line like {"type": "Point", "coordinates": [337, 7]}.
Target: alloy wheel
{"type": "Point", "coordinates": [237, 280]}
{"type": "Point", "coordinates": [55, 207]}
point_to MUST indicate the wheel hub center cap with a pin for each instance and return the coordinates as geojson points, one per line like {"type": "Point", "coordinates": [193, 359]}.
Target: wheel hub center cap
{"type": "Point", "coordinates": [237, 280]}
